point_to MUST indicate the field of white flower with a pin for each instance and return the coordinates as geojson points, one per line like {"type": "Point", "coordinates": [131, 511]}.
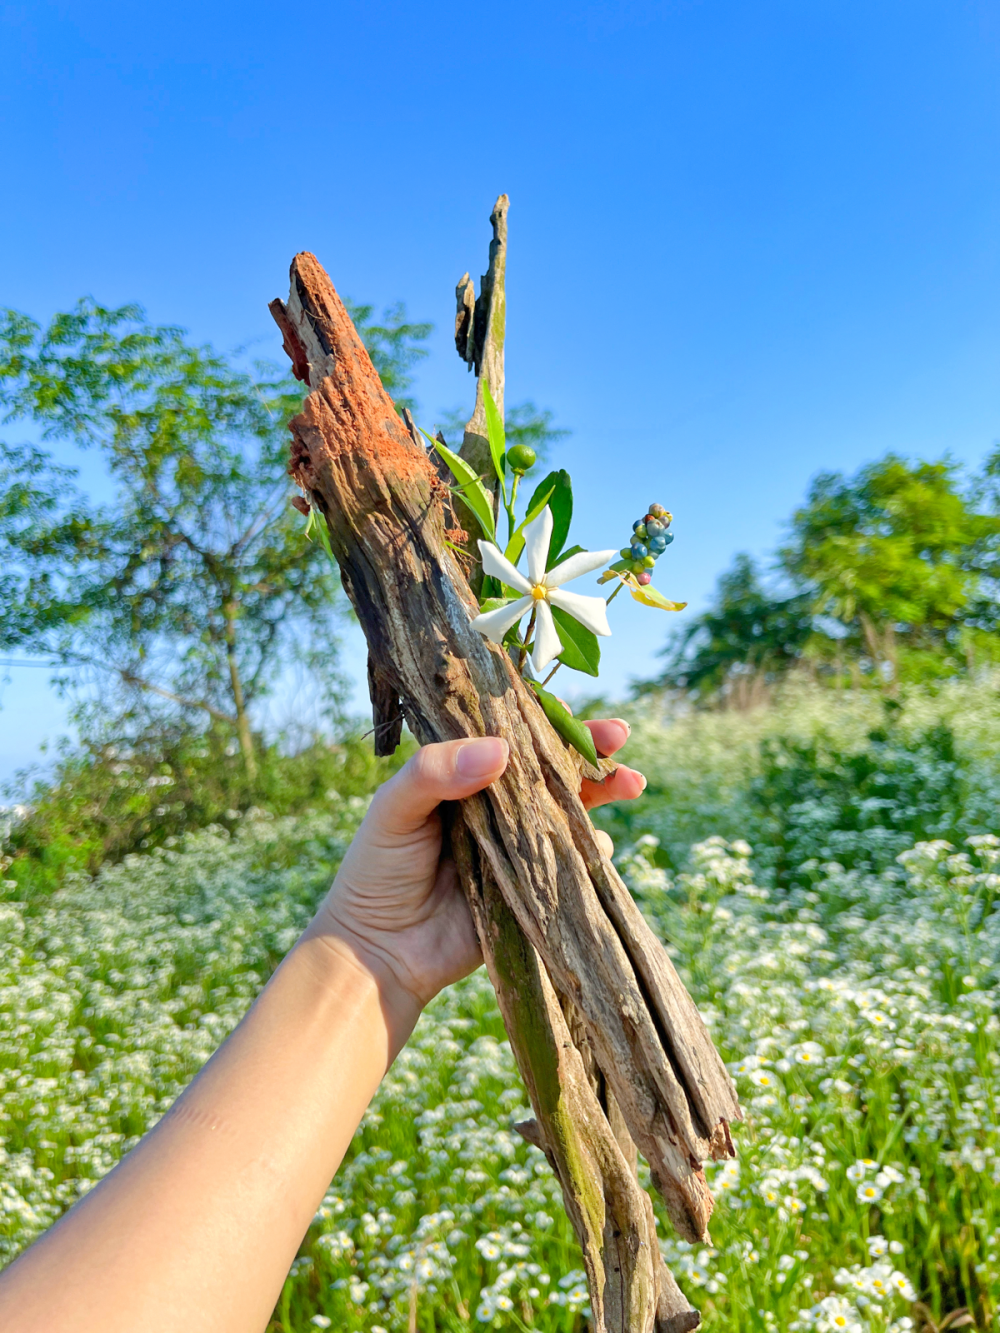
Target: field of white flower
{"type": "Point", "coordinates": [857, 1010]}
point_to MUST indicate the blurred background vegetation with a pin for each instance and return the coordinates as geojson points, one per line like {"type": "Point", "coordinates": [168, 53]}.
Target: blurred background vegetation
{"type": "Point", "coordinates": [185, 611]}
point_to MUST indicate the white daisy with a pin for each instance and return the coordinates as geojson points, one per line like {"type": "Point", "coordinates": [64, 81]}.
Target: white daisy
{"type": "Point", "coordinates": [543, 590]}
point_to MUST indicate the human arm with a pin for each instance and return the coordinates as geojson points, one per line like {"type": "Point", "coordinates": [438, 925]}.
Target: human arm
{"type": "Point", "coordinates": [197, 1228]}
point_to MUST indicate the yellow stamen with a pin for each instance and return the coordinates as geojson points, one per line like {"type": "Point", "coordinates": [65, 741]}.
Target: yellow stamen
{"type": "Point", "coordinates": [539, 592]}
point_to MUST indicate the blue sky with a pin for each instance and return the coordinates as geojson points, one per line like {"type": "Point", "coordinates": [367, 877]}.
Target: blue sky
{"type": "Point", "coordinates": [747, 241]}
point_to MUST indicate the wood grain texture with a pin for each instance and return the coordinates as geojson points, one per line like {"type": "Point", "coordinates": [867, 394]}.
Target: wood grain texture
{"type": "Point", "coordinates": [384, 503]}
{"type": "Point", "coordinates": [631, 1290]}
{"type": "Point", "coordinates": [480, 327]}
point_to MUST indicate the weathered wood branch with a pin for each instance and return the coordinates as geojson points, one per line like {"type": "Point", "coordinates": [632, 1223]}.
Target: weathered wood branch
{"type": "Point", "coordinates": [480, 326]}
{"type": "Point", "coordinates": [384, 504]}
{"type": "Point", "coordinates": [612, 1216]}
{"type": "Point", "coordinates": [594, 1161]}
{"type": "Point", "coordinates": [673, 1314]}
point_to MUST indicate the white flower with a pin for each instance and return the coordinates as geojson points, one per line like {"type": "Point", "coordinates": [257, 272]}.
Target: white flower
{"type": "Point", "coordinates": [860, 1168]}
{"type": "Point", "coordinates": [889, 1175]}
{"type": "Point", "coordinates": [762, 1079]}
{"type": "Point", "coordinates": [543, 590]}
{"type": "Point", "coordinates": [903, 1285]}
{"type": "Point", "coordinates": [809, 1053]}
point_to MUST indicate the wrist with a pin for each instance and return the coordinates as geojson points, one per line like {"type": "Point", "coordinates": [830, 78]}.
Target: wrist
{"type": "Point", "coordinates": [334, 947]}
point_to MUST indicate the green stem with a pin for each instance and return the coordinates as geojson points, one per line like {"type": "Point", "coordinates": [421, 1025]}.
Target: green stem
{"type": "Point", "coordinates": [527, 639]}
{"type": "Point", "coordinates": [511, 520]}
{"type": "Point", "coordinates": [615, 593]}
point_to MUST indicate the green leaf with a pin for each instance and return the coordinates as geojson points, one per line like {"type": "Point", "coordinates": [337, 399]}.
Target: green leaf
{"type": "Point", "coordinates": [324, 536]}
{"type": "Point", "coordinates": [495, 603]}
{"type": "Point", "coordinates": [317, 523]}
{"type": "Point", "coordinates": [565, 555]}
{"type": "Point", "coordinates": [469, 484]}
{"type": "Point", "coordinates": [561, 504]}
{"type": "Point", "coordinates": [566, 724]}
{"type": "Point", "coordinates": [516, 544]}
{"type": "Point", "coordinates": [581, 651]}
{"type": "Point", "coordinates": [497, 438]}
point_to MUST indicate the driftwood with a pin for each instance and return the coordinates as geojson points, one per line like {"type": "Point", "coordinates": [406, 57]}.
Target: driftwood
{"type": "Point", "coordinates": [583, 1135]}
{"type": "Point", "coordinates": [611, 1048]}
{"type": "Point", "coordinates": [480, 326]}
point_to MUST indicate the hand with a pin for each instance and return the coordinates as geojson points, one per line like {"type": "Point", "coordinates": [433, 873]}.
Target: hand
{"type": "Point", "coordinates": [395, 903]}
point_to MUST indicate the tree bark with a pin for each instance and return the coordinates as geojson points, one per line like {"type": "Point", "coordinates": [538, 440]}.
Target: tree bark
{"type": "Point", "coordinates": [593, 1159]}
{"type": "Point", "coordinates": [531, 867]}
{"type": "Point", "coordinates": [480, 329]}
{"type": "Point", "coordinates": [882, 650]}
{"type": "Point", "coordinates": [242, 719]}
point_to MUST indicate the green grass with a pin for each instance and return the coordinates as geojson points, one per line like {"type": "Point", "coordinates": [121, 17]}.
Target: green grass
{"type": "Point", "coordinates": [857, 1008]}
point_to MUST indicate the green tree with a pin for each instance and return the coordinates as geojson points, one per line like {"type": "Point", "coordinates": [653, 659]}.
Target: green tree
{"type": "Point", "coordinates": [746, 637]}
{"type": "Point", "coordinates": [194, 583]}
{"type": "Point", "coordinates": [981, 616]}
{"type": "Point", "coordinates": [895, 569]}
{"type": "Point", "coordinates": [887, 554]}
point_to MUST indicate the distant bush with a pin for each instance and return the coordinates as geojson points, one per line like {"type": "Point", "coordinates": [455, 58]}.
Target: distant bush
{"type": "Point", "coordinates": [107, 801]}
{"type": "Point", "coordinates": [818, 776]}
{"type": "Point", "coordinates": [116, 988]}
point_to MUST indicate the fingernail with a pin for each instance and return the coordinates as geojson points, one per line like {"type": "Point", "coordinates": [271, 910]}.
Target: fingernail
{"type": "Point", "coordinates": [645, 781]}
{"type": "Point", "coordinates": [480, 758]}
{"type": "Point", "coordinates": [622, 723]}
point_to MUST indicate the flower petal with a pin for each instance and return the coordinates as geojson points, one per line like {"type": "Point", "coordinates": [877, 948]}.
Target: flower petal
{"type": "Point", "coordinates": [547, 644]}
{"type": "Point", "coordinates": [581, 563]}
{"type": "Point", "coordinates": [592, 612]}
{"type": "Point", "coordinates": [495, 624]}
{"type": "Point", "coordinates": [537, 536]}
{"type": "Point", "coordinates": [500, 567]}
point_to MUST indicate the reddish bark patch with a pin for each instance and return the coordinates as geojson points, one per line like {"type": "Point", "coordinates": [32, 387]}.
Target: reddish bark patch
{"type": "Point", "coordinates": [359, 418]}
{"type": "Point", "coordinates": [290, 341]}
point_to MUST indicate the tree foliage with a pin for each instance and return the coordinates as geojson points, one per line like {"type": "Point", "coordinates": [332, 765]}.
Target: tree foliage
{"type": "Point", "coordinates": [892, 573]}
{"type": "Point", "coordinates": [886, 553]}
{"type": "Point", "coordinates": [194, 582]}
{"type": "Point", "coordinates": [745, 633]}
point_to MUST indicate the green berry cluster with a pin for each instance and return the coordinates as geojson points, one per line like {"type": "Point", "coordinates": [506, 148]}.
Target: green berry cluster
{"type": "Point", "coordinates": [650, 539]}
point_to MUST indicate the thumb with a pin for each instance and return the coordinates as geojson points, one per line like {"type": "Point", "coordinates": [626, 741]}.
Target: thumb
{"type": "Point", "coordinates": [436, 773]}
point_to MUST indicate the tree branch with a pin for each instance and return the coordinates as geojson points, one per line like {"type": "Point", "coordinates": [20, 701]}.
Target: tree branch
{"type": "Point", "coordinates": [138, 682]}
{"type": "Point", "coordinates": [383, 503]}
